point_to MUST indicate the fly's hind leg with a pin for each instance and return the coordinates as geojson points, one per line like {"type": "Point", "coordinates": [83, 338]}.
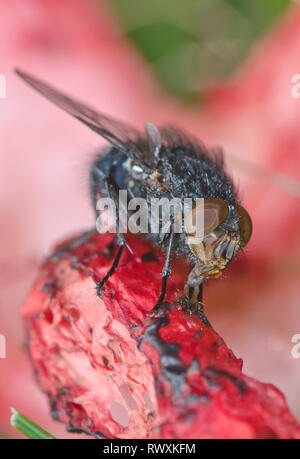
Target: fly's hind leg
{"type": "Point", "coordinates": [63, 250]}
{"type": "Point", "coordinates": [98, 182]}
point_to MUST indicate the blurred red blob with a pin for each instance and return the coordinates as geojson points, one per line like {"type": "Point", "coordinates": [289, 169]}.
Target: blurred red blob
{"type": "Point", "coordinates": [185, 383]}
{"type": "Point", "coordinates": [43, 196]}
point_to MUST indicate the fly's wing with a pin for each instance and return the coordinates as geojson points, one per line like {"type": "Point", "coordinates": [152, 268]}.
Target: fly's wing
{"type": "Point", "coordinates": [123, 137]}
{"type": "Point", "coordinates": [174, 139]}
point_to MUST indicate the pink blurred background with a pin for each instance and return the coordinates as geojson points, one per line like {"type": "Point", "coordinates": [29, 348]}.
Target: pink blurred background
{"type": "Point", "coordinates": [79, 47]}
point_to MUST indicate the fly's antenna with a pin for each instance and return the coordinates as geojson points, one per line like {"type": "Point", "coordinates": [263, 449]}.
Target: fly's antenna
{"type": "Point", "coordinates": [154, 140]}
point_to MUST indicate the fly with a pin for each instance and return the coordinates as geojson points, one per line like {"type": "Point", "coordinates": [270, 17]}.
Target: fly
{"type": "Point", "coordinates": [165, 162]}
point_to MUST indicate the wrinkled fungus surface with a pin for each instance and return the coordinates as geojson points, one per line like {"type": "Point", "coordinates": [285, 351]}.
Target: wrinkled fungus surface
{"type": "Point", "coordinates": [110, 370]}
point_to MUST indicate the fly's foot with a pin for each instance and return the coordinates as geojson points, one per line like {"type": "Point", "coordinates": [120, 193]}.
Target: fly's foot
{"type": "Point", "coordinates": [155, 311]}
{"type": "Point", "coordinates": [192, 307]}
{"type": "Point", "coordinates": [159, 309]}
{"type": "Point", "coordinates": [99, 286]}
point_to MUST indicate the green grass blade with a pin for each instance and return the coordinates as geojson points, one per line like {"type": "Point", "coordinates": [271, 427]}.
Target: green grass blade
{"type": "Point", "coordinates": [27, 427]}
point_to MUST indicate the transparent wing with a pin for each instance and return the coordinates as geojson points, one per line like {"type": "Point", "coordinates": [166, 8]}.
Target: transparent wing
{"type": "Point", "coordinates": [175, 138]}
{"type": "Point", "coordinates": [125, 138]}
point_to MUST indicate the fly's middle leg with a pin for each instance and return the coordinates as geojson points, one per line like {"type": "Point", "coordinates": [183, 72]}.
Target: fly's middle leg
{"type": "Point", "coordinates": [165, 273]}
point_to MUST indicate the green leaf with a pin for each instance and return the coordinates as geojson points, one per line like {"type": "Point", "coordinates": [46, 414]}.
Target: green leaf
{"type": "Point", "coordinates": [193, 44]}
{"type": "Point", "coordinates": [27, 427]}
{"type": "Point", "coordinates": [158, 40]}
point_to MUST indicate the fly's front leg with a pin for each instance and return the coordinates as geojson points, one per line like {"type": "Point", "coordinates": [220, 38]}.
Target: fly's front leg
{"type": "Point", "coordinates": [193, 289]}
{"type": "Point", "coordinates": [200, 297]}
{"type": "Point", "coordinates": [100, 180]}
{"type": "Point", "coordinates": [166, 272]}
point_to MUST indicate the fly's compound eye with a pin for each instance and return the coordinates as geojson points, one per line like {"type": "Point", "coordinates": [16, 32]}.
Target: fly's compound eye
{"type": "Point", "coordinates": [206, 216]}
{"type": "Point", "coordinates": [245, 225]}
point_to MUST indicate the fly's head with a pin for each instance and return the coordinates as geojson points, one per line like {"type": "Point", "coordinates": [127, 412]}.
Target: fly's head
{"type": "Point", "coordinates": [225, 230]}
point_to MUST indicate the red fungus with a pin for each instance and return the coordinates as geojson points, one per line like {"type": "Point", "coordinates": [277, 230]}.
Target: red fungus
{"type": "Point", "coordinates": [112, 371]}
